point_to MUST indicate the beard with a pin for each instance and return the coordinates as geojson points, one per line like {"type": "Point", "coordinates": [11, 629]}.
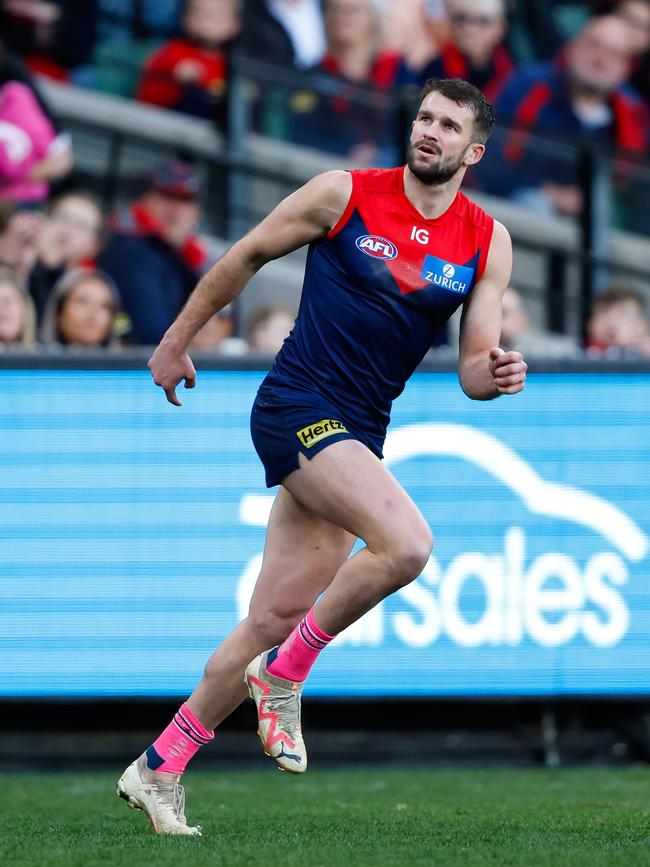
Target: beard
{"type": "Point", "coordinates": [433, 175]}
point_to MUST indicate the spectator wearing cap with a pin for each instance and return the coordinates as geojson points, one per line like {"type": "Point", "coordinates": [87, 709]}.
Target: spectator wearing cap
{"type": "Point", "coordinates": [154, 255]}
{"type": "Point", "coordinates": [189, 73]}
{"type": "Point", "coordinates": [71, 234]}
{"type": "Point", "coordinates": [475, 50]}
{"type": "Point", "coordinates": [81, 311]}
{"type": "Point", "coordinates": [583, 96]}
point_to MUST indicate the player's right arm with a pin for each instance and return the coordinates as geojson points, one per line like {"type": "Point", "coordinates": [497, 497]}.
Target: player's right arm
{"type": "Point", "coordinates": [305, 216]}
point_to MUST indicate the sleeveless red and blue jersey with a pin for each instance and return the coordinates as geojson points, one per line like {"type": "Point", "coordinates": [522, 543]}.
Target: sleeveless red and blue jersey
{"type": "Point", "coordinates": [376, 291]}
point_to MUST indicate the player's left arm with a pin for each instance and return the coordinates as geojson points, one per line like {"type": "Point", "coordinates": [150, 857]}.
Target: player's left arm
{"type": "Point", "coordinates": [486, 371]}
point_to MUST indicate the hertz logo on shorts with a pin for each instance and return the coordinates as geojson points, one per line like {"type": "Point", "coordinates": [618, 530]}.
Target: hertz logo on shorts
{"type": "Point", "coordinates": [326, 427]}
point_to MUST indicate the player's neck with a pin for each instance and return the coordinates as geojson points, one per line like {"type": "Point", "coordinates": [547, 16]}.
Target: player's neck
{"type": "Point", "coordinates": [431, 201]}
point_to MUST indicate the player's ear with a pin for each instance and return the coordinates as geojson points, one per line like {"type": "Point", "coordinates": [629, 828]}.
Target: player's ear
{"type": "Point", "coordinates": [474, 153]}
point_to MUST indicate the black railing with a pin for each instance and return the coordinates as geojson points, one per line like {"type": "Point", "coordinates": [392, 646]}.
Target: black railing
{"type": "Point", "coordinates": [230, 168]}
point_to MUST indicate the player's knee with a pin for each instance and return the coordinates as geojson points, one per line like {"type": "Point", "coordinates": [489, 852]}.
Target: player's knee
{"type": "Point", "coordinates": [409, 555]}
{"type": "Point", "coordinates": [271, 626]}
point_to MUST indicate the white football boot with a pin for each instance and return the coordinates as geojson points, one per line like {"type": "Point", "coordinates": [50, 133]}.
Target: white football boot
{"type": "Point", "coordinates": [278, 715]}
{"type": "Point", "coordinates": [160, 797]}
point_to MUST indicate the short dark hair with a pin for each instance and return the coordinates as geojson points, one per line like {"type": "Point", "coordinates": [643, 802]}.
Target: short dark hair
{"type": "Point", "coordinates": [618, 293]}
{"type": "Point", "coordinates": [464, 93]}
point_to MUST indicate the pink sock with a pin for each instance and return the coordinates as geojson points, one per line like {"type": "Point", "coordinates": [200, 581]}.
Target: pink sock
{"type": "Point", "coordinates": [294, 658]}
{"type": "Point", "coordinates": [182, 738]}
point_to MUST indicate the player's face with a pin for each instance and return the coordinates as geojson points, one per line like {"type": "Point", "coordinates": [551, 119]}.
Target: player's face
{"type": "Point", "coordinates": [441, 140]}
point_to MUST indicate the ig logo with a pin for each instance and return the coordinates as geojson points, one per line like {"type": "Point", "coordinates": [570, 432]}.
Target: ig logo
{"type": "Point", "coordinates": [419, 235]}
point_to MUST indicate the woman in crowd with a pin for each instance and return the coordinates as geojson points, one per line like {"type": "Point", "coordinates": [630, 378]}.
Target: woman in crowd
{"type": "Point", "coordinates": [81, 311]}
{"type": "Point", "coordinates": [347, 110]}
{"type": "Point", "coordinates": [71, 235]}
{"type": "Point", "coordinates": [17, 320]}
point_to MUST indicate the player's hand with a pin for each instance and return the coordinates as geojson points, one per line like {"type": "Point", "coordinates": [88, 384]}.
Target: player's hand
{"type": "Point", "coordinates": [508, 370]}
{"type": "Point", "coordinates": [169, 366]}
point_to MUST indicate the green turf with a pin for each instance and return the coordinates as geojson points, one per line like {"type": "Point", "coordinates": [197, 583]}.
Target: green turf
{"type": "Point", "coordinates": [356, 818]}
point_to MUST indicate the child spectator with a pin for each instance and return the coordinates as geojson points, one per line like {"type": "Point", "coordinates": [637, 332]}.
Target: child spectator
{"type": "Point", "coordinates": [81, 310]}
{"type": "Point", "coordinates": [71, 235]}
{"type": "Point", "coordinates": [269, 328]}
{"type": "Point", "coordinates": [475, 50]}
{"type": "Point", "coordinates": [619, 320]}
{"type": "Point", "coordinates": [189, 74]}
{"type": "Point", "coordinates": [30, 151]}
{"type": "Point", "coordinates": [17, 320]}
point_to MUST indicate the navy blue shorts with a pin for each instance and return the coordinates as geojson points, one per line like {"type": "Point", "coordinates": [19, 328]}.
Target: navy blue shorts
{"type": "Point", "coordinates": [281, 431]}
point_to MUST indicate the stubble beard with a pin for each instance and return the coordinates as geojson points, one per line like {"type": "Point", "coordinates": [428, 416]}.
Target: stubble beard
{"type": "Point", "coordinates": [433, 175]}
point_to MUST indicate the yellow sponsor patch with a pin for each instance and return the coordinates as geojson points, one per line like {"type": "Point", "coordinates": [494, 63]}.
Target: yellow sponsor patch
{"type": "Point", "coordinates": [316, 432]}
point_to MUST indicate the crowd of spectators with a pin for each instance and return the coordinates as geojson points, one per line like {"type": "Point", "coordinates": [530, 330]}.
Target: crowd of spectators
{"type": "Point", "coordinates": [72, 274]}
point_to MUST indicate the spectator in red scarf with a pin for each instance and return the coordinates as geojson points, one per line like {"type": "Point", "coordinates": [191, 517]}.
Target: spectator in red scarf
{"type": "Point", "coordinates": [582, 96]}
{"type": "Point", "coordinates": [189, 74]}
{"type": "Point", "coordinates": [475, 50]}
{"type": "Point", "coordinates": [346, 112]}
{"type": "Point", "coordinates": [154, 254]}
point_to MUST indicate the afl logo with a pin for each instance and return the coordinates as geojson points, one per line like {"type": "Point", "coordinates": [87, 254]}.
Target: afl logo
{"type": "Point", "coordinates": [448, 270]}
{"type": "Point", "coordinates": [378, 248]}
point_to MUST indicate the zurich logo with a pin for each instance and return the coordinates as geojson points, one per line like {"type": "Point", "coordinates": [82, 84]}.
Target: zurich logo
{"type": "Point", "coordinates": [448, 270]}
{"type": "Point", "coordinates": [378, 248]}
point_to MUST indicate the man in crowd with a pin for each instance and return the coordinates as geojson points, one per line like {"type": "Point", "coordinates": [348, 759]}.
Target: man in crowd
{"type": "Point", "coordinates": [154, 255]}
{"type": "Point", "coordinates": [582, 97]}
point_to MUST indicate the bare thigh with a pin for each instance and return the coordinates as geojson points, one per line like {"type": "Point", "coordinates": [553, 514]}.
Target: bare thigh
{"type": "Point", "coordinates": [349, 486]}
{"type": "Point", "coordinates": [302, 554]}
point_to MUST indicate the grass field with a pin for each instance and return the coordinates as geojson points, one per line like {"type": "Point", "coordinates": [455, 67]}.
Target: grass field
{"type": "Point", "coordinates": [356, 818]}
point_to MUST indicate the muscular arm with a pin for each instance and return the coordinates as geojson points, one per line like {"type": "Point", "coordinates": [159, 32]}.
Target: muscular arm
{"type": "Point", "coordinates": [485, 371]}
{"type": "Point", "coordinates": [304, 216]}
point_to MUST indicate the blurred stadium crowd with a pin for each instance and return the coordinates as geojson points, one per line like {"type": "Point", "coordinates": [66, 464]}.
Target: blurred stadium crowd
{"type": "Point", "coordinates": [73, 273]}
